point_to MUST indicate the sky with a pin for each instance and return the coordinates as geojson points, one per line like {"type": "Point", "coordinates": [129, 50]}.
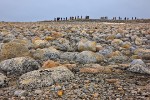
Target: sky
{"type": "Point", "coordinates": [38, 10]}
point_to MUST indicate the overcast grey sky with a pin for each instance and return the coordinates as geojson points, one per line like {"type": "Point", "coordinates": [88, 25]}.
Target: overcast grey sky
{"type": "Point", "coordinates": [35, 10]}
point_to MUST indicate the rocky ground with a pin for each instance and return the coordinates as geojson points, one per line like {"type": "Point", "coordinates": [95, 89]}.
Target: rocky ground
{"type": "Point", "coordinates": [74, 61]}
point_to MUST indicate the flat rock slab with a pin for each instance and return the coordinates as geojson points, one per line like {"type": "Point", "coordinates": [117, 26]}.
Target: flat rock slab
{"type": "Point", "coordinates": [45, 77]}
{"type": "Point", "coordinates": [19, 65]}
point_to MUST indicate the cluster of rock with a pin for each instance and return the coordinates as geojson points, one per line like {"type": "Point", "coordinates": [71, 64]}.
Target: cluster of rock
{"type": "Point", "coordinates": [25, 47]}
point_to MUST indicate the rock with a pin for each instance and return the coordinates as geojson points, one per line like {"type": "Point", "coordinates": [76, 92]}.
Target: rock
{"type": "Point", "coordinates": [40, 43]}
{"type": "Point", "coordinates": [95, 68]}
{"type": "Point", "coordinates": [144, 53]}
{"type": "Point", "coordinates": [118, 36]}
{"type": "Point", "coordinates": [50, 64]}
{"type": "Point", "coordinates": [89, 57]}
{"type": "Point", "coordinates": [19, 65]}
{"type": "Point", "coordinates": [20, 93]}
{"type": "Point", "coordinates": [62, 44]}
{"type": "Point", "coordinates": [12, 50]}
{"type": "Point", "coordinates": [112, 80]}
{"type": "Point", "coordinates": [45, 77]}
{"type": "Point", "coordinates": [139, 66]}
{"type": "Point", "coordinates": [138, 41]}
{"type": "Point", "coordinates": [106, 51]}
{"type": "Point", "coordinates": [99, 47]}
{"type": "Point", "coordinates": [38, 91]}
{"type": "Point", "coordinates": [70, 56]}
{"type": "Point", "coordinates": [126, 45]}
{"type": "Point", "coordinates": [26, 42]}
{"type": "Point", "coordinates": [116, 42]}
{"type": "Point", "coordinates": [118, 59]}
{"type": "Point", "coordinates": [46, 53]}
{"type": "Point", "coordinates": [85, 45]}
{"type": "Point", "coordinates": [3, 80]}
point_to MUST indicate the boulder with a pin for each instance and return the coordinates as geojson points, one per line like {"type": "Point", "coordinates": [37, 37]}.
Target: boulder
{"type": "Point", "coordinates": [19, 65]}
{"type": "Point", "coordinates": [70, 56]}
{"type": "Point", "coordinates": [46, 53]}
{"type": "Point", "coordinates": [62, 44]}
{"type": "Point", "coordinates": [139, 66]}
{"type": "Point", "coordinates": [40, 43]}
{"type": "Point", "coordinates": [89, 57]}
{"type": "Point", "coordinates": [45, 77]}
{"type": "Point", "coordinates": [85, 45]}
{"type": "Point", "coordinates": [12, 50]}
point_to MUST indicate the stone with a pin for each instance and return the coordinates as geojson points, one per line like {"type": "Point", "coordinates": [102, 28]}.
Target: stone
{"type": "Point", "coordinates": [116, 42]}
{"type": "Point", "coordinates": [12, 50]}
{"type": "Point", "coordinates": [26, 42]}
{"type": "Point", "coordinates": [19, 65]}
{"type": "Point", "coordinates": [3, 80]}
{"type": "Point", "coordinates": [50, 64]}
{"type": "Point", "coordinates": [89, 57]}
{"type": "Point", "coordinates": [85, 45]}
{"type": "Point", "coordinates": [62, 44]}
{"type": "Point", "coordinates": [106, 51]}
{"type": "Point", "coordinates": [20, 93]}
{"type": "Point", "coordinates": [45, 77]}
{"type": "Point", "coordinates": [126, 45]}
{"type": "Point", "coordinates": [95, 68]}
{"type": "Point", "coordinates": [118, 59]}
{"type": "Point", "coordinates": [138, 41]}
{"type": "Point", "coordinates": [70, 56]}
{"type": "Point", "coordinates": [139, 66]}
{"type": "Point", "coordinates": [40, 43]}
{"type": "Point", "coordinates": [118, 36]}
{"type": "Point", "coordinates": [99, 47]}
{"type": "Point", "coordinates": [46, 53]}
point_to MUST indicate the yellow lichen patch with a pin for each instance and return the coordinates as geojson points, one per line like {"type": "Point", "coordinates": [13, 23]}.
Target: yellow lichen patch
{"type": "Point", "coordinates": [27, 81]}
{"type": "Point", "coordinates": [49, 38]}
{"type": "Point", "coordinates": [60, 93]}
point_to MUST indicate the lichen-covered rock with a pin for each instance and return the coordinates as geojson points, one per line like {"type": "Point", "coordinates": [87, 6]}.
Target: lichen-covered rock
{"type": "Point", "coordinates": [89, 57]}
{"type": "Point", "coordinates": [45, 77]}
{"type": "Point", "coordinates": [62, 44]}
{"type": "Point", "coordinates": [3, 80]}
{"type": "Point", "coordinates": [118, 59]}
{"type": "Point", "coordinates": [46, 53]}
{"type": "Point", "coordinates": [40, 43]}
{"type": "Point", "coordinates": [19, 65]}
{"type": "Point", "coordinates": [139, 66]}
{"type": "Point", "coordinates": [106, 51]}
{"type": "Point", "coordinates": [12, 50]}
{"type": "Point", "coordinates": [85, 45]}
{"type": "Point", "coordinates": [26, 42]}
{"type": "Point", "coordinates": [70, 56]}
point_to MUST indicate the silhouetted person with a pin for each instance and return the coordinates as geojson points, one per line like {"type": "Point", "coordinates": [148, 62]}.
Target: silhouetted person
{"type": "Point", "coordinates": [125, 18]}
{"type": "Point", "coordinates": [78, 17]}
{"type": "Point", "coordinates": [135, 18]}
{"type": "Point", "coordinates": [75, 18]}
{"type": "Point", "coordinates": [66, 18]}
{"type": "Point", "coordinates": [81, 17]}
